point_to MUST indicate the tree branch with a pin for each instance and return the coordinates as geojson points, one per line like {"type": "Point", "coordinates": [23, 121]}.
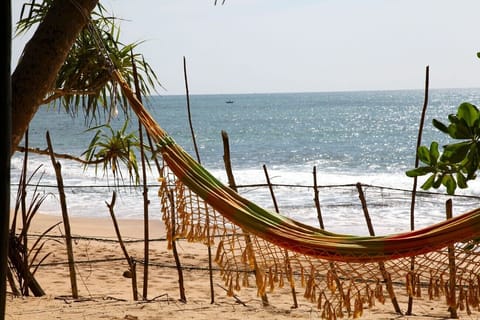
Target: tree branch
{"type": "Point", "coordinates": [58, 155]}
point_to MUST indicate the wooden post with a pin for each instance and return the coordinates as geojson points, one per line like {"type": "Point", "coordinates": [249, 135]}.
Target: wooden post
{"type": "Point", "coordinates": [381, 265]}
{"type": "Point", "coordinates": [130, 260]}
{"type": "Point", "coordinates": [292, 284]}
{"type": "Point", "coordinates": [66, 222]}
{"type": "Point", "coordinates": [181, 287]}
{"type": "Point", "coordinates": [233, 185]}
{"type": "Point", "coordinates": [452, 269]}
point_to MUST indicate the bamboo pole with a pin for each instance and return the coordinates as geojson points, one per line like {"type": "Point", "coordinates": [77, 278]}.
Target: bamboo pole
{"type": "Point", "coordinates": [287, 258]}
{"type": "Point", "coordinates": [381, 265]}
{"type": "Point", "coordinates": [233, 185]}
{"type": "Point", "coordinates": [414, 188]}
{"type": "Point", "coordinates": [146, 202]}
{"type": "Point", "coordinates": [452, 269]}
{"type": "Point", "coordinates": [181, 287]}
{"type": "Point", "coordinates": [66, 222]}
{"type": "Point", "coordinates": [130, 260]}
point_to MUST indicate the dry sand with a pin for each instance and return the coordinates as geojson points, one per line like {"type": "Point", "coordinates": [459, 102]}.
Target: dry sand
{"type": "Point", "coordinates": [106, 294]}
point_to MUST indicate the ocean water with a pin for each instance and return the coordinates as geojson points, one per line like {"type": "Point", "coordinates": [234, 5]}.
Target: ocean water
{"type": "Point", "coordinates": [367, 137]}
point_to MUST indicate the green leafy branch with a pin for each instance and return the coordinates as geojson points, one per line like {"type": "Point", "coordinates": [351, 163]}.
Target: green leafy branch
{"type": "Point", "coordinates": [459, 161]}
{"type": "Point", "coordinates": [84, 81]}
{"type": "Point", "coordinates": [111, 148]}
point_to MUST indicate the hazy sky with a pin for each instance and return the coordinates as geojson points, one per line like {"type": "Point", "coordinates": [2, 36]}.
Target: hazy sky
{"type": "Point", "coordinates": [253, 46]}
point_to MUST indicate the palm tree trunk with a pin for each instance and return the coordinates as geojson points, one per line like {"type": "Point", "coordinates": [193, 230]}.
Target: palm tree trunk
{"type": "Point", "coordinates": [42, 58]}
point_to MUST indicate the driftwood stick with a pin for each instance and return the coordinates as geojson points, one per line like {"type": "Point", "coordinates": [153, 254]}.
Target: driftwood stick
{"type": "Point", "coordinates": [227, 161]}
{"type": "Point", "coordinates": [66, 222]}
{"type": "Point", "coordinates": [146, 202]}
{"type": "Point", "coordinates": [414, 187]}
{"type": "Point", "coordinates": [272, 193]}
{"type": "Point", "coordinates": [381, 265]}
{"type": "Point", "coordinates": [183, 298]}
{"type": "Point", "coordinates": [130, 260]}
{"type": "Point", "coordinates": [316, 198]}
{"type": "Point", "coordinates": [361, 195]}
{"type": "Point", "coordinates": [233, 185]}
{"type": "Point", "coordinates": [452, 269]}
{"type": "Point", "coordinates": [187, 93]}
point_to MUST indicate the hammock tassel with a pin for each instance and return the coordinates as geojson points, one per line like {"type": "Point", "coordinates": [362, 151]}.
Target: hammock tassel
{"type": "Point", "coordinates": [348, 302]}
{"type": "Point", "coordinates": [237, 282]}
{"type": "Point", "coordinates": [461, 299]}
{"type": "Point", "coordinates": [310, 285]}
{"type": "Point", "coordinates": [320, 300]}
{"type": "Point", "coordinates": [245, 281]}
{"type": "Point", "coordinates": [418, 286]}
{"type": "Point", "coordinates": [219, 252]}
{"type": "Point", "coordinates": [339, 310]}
{"type": "Point", "coordinates": [281, 281]}
{"type": "Point", "coordinates": [358, 310]}
{"type": "Point", "coordinates": [230, 286]}
{"type": "Point", "coordinates": [379, 292]}
{"type": "Point", "coordinates": [332, 281]}
{"type": "Point", "coordinates": [271, 279]}
{"type": "Point", "coordinates": [472, 294]}
{"type": "Point", "coordinates": [409, 284]}
{"type": "Point", "coordinates": [431, 287]}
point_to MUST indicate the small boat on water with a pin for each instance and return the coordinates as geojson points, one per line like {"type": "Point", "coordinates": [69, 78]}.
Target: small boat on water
{"type": "Point", "coordinates": [229, 101]}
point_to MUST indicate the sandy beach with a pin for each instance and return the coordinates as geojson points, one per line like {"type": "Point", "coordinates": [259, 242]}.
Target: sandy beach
{"type": "Point", "coordinates": [105, 293]}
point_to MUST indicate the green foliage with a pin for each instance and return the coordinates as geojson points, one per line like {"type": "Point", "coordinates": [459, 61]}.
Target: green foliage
{"type": "Point", "coordinates": [84, 81]}
{"type": "Point", "coordinates": [459, 161]}
{"type": "Point", "coordinates": [111, 148]}
{"type": "Point", "coordinates": [31, 256]}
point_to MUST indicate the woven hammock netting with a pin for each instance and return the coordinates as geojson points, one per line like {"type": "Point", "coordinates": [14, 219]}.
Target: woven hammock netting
{"type": "Point", "coordinates": [340, 274]}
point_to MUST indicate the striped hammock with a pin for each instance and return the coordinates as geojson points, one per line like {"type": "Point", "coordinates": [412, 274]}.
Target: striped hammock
{"type": "Point", "coordinates": [291, 234]}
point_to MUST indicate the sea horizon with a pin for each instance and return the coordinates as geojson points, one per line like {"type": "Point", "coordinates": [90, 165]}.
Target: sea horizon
{"type": "Point", "coordinates": [193, 93]}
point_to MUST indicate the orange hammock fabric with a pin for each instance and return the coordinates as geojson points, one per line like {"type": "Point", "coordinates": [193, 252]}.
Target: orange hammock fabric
{"type": "Point", "coordinates": [288, 233]}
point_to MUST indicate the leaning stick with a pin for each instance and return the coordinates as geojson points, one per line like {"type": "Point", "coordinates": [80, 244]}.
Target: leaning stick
{"type": "Point", "coordinates": [130, 260]}
{"type": "Point", "coordinates": [248, 240]}
{"type": "Point", "coordinates": [381, 265]}
{"type": "Point", "coordinates": [292, 283]}
{"type": "Point", "coordinates": [414, 188]}
{"type": "Point", "coordinates": [66, 222]}
{"type": "Point", "coordinates": [183, 298]}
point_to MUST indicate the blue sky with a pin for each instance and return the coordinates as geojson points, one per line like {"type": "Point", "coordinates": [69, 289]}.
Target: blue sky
{"type": "Point", "coordinates": [248, 46]}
